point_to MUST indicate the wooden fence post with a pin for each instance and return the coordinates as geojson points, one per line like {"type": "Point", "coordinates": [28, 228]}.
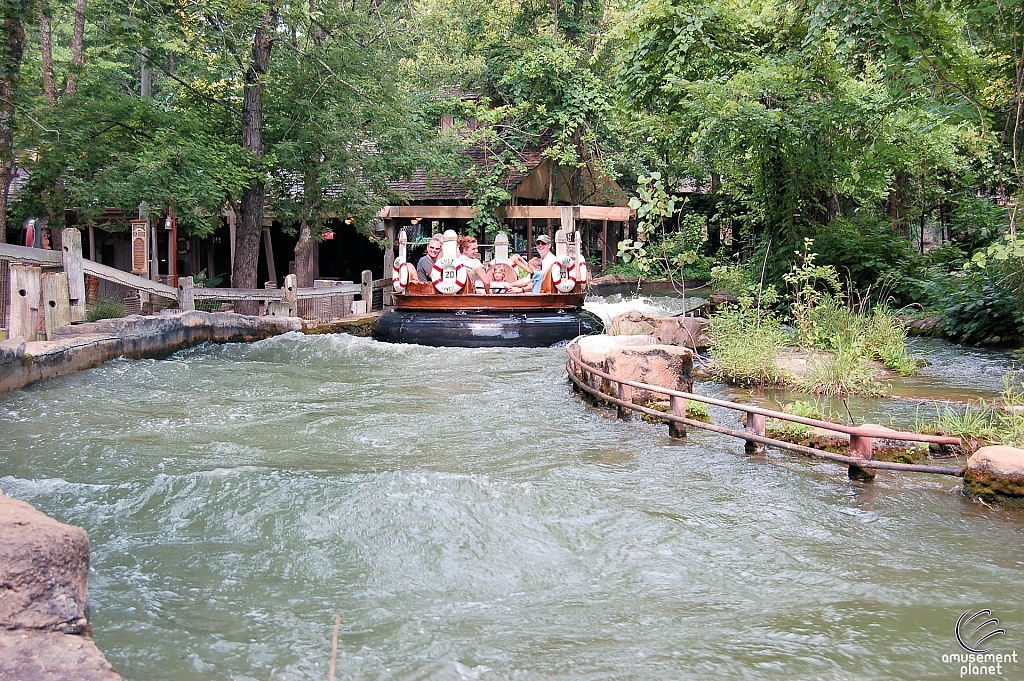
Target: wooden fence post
{"type": "Point", "coordinates": [24, 302]}
{"type": "Point", "coordinates": [677, 405]}
{"type": "Point", "coordinates": [756, 426]}
{"type": "Point", "coordinates": [862, 448]}
{"type": "Point", "coordinates": [291, 294]}
{"type": "Point", "coordinates": [367, 290]}
{"type": "Point", "coordinates": [186, 294]}
{"type": "Point", "coordinates": [626, 395]}
{"type": "Point", "coordinates": [56, 306]}
{"type": "Point", "coordinates": [72, 258]}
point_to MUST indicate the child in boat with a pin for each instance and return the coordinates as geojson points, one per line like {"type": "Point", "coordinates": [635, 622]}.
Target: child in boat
{"type": "Point", "coordinates": [532, 269]}
{"type": "Point", "coordinates": [499, 283]}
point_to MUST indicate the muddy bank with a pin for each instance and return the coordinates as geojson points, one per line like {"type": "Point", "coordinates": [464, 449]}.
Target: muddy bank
{"type": "Point", "coordinates": [44, 603]}
{"type": "Point", "coordinates": [86, 345]}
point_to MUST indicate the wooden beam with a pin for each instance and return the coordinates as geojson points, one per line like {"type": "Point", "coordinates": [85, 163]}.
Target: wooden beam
{"type": "Point", "coordinates": [511, 212]}
{"type": "Point", "coordinates": [605, 213]}
{"type": "Point", "coordinates": [428, 212]}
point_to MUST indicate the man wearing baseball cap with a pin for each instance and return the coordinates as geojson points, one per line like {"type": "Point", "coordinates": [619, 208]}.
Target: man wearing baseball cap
{"type": "Point", "coordinates": [544, 251]}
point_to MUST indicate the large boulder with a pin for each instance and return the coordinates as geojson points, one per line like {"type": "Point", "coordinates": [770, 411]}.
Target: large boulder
{"type": "Point", "coordinates": [594, 350]}
{"type": "Point", "coordinates": [41, 656]}
{"type": "Point", "coordinates": [996, 472]}
{"type": "Point", "coordinates": [666, 366]}
{"type": "Point", "coordinates": [44, 605]}
{"type": "Point", "coordinates": [633, 323]}
{"type": "Point", "coordinates": [43, 569]}
{"type": "Point", "coordinates": [687, 332]}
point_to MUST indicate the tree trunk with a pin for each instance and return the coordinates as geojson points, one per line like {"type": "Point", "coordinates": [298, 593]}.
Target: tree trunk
{"type": "Point", "coordinates": [250, 223]}
{"type": "Point", "coordinates": [46, 53]}
{"type": "Point", "coordinates": [303, 250]}
{"type": "Point", "coordinates": [77, 39]}
{"type": "Point", "coordinates": [13, 17]}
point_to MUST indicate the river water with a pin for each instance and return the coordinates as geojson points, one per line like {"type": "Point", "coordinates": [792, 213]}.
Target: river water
{"type": "Point", "coordinates": [469, 519]}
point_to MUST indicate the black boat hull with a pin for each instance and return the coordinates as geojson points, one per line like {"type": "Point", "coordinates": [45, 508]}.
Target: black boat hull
{"type": "Point", "coordinates": [470, 329]}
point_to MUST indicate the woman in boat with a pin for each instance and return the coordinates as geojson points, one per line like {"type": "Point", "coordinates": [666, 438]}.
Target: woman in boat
{"type": "Point", "coordinates": [469, 256]}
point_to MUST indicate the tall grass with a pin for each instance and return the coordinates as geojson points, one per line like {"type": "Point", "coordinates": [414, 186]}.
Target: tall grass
{"type": "Point", "coordinates": [844, 371]}
{"type": "Point", "coordinates": [982, 423]}
{"type": "Point", "coordinates": [746, 349]}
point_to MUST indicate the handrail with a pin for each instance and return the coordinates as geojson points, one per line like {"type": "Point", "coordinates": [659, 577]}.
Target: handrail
{"type": "Point", "coordinates": [127, 279]}
{"type": "Point", "coordinates": [865, 432]}
{"type": "Point", "coordinates": [859, 431]}
{"type": "Point", "coordinates": [36, 256]}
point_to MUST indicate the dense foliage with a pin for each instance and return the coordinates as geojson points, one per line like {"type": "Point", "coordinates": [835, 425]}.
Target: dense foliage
{"type": "Point", "coordinates": [889, 133]}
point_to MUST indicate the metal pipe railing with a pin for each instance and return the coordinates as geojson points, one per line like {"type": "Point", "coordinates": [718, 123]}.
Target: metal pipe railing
{"type": "Point", "coordinates": [860, 436]}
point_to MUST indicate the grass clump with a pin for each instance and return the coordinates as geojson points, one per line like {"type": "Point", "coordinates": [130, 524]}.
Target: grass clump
{"type": "Point", "coordinates": [106, 308]}
{"type": "Point", "coordinates": [746, 345]}
{"type": "Point", "coordinates": [982, 423]}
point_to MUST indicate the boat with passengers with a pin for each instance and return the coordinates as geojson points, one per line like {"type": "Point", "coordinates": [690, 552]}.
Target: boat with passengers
{"type": "Point", "coordinates": [457, 308]}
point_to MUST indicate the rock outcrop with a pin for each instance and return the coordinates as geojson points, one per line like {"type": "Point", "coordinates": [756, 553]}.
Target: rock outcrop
{"type": "Point", "coordinates": [44, 600]}
{"type": "Point", "coordinates": [689, 332]}
{"type": "Point", "coordinates": [996, 473]}
{"type": "Point", "coordinates": [85, 345]}
{"type": "Point", "coordinates": [638, 358]}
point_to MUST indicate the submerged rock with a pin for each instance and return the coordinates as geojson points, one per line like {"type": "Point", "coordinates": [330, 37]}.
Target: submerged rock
{"type": "Point", "coordinates": [996, 473]}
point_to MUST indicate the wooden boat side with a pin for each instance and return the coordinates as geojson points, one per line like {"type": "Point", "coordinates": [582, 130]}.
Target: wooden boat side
{"type": "Point", "coordinates": [497, 301]}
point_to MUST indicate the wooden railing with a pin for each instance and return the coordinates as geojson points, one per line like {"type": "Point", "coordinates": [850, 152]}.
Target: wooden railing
{"type": "Point", "coordinates": [861, 437]}
{"type": "Point", "coordinates": [88, 281]}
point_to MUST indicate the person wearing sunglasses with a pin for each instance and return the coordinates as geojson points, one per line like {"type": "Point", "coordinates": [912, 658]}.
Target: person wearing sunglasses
{"type": "Point", "coordinates": [426, 263]}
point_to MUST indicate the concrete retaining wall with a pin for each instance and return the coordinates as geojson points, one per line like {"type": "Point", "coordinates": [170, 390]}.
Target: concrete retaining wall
{"type": "Point", "coordinates": [86, 345]}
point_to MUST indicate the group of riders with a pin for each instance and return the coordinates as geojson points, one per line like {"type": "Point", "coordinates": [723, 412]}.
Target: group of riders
{"type": "Point", "coordinates": [465, 272]}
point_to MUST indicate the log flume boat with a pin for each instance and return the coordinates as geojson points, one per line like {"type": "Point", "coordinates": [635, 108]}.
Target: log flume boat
{"type": "Point", "coordinates": [451, 311]}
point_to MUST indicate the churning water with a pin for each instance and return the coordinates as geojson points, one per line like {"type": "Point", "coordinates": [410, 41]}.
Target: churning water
{"type": "Point", "coordinates": [469, 518]}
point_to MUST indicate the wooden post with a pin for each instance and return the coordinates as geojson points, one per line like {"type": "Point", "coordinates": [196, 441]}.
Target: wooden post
{"type": "Point", "coordinates": [677, 406]}
{"type": "Point", "coordinates": [56, 307]}
{"type": "Point", "coordinates": [24, 302]}
{"type": "Point", "coordinates": [367, 289]}
{"type": "Point", "coordinates": [626, 395]}
{"type": "Point", "coordinates": [567, 220]}
{"type": "Point", "coordinates": [604, 244]}
{"type": "Point", "coordinates": [291, 294]}
{"type": "Point", "coordinates": [389, 259]}
{"type": "Point", "coordinates": [755, 425]}
{"type": "Point", "coordinates": [268, 248]}
{"type": "Point", "coordinates": [186, 294]}
{"type": "Point", "coordinates": [862, 448]}
{"type": "Point", "coordinates": [231, 235]}
{"type": "Point", "coordinates": [72, 258]}
{"type": "Point", "coordinates": [529, 238]}
{"type": "Point", "coordinates": [92, 243]}
{"type": "Point", "coordinates": [154, 255]}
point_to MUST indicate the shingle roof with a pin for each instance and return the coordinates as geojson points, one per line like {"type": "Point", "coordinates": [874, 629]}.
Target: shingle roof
{"type": "Point", "coordinates": [428, 186]}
